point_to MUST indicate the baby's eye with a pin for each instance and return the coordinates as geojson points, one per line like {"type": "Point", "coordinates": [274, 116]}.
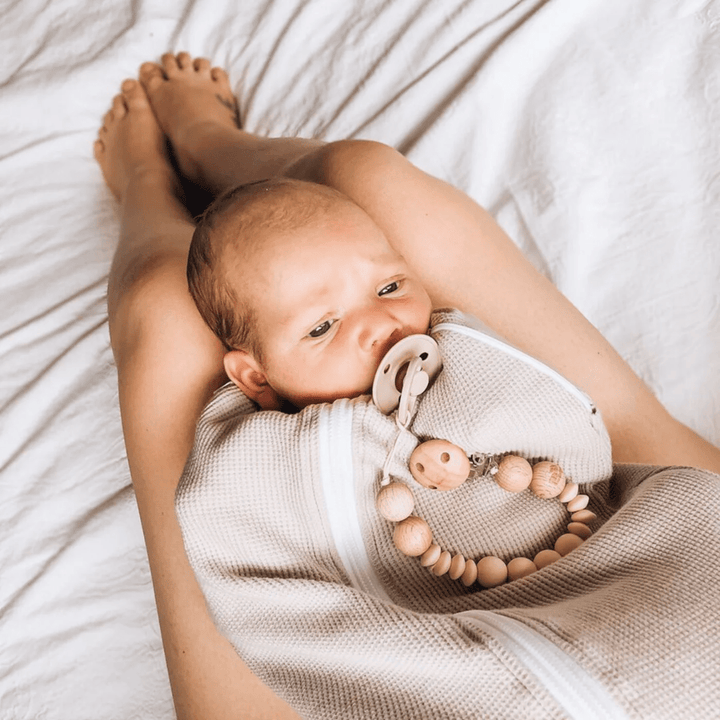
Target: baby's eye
{"type": "Point", "coordinates": [389, 288]}
{"type": "Point", "coordinates": [321, 329]}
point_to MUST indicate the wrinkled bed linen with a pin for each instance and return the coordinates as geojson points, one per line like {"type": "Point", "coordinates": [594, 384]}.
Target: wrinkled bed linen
{"type": "Point", "coordinates": [589, 129]}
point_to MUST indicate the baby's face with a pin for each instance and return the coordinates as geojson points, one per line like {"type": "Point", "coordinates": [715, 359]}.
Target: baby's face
{"type": "Point", "coordinates": [330, 301]}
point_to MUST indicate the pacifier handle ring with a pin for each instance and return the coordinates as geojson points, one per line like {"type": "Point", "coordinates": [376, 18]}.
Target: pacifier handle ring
{"type": "Point", "coordinates": [407, 398]}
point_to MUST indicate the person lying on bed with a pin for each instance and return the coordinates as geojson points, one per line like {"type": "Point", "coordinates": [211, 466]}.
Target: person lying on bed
{"type": "Point", "coordinates": [169, 362]}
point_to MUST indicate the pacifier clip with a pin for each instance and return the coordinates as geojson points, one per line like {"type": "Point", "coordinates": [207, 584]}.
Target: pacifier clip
{"type": "Point", "coordinates": [441, 465]}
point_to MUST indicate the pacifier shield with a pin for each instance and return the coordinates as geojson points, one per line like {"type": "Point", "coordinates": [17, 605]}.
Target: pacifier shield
{"type": "Point", "coordinates": [385, 394]}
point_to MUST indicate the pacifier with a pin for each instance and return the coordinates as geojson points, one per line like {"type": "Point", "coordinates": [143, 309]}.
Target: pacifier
{"type": "Point", "coordinates": [419, 357]}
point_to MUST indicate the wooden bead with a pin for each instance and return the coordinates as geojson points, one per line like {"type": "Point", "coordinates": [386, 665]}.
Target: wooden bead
{"type": "Point", "coordinates": [443, 564]}
{"type": "Point", "coordinates": [395, 501]}
{"type": "Point", "coordinates": [548, 480]}
{"type": "Point", "coordinates": [578, 503]}
{"type": "Point", "coordinates": [569, 492]}
{"type": "Point", "coordinates": [491, 571]}
{"type": "Point", "coordinates": [412, 536]}
{"type": "Point", "coordinates": [583, 516]}
{"type": "Point", "coordinates": [545, 558]}
{"type": "Point", "coordinates": [579, 529]}
{"type": "Point", "coordinates": [457, 566]}
{"type": "Point", "coordinates": [567, 542]}
{"type": "Point", "coordinates": [430, 556]}
{"type": "Point", "coordinates": [439, 465]}
{"type": "Point", "coordinates": [519, 567]}
{"type": "Point", "coordinates": [514, 474]}
{"type": "Point", "coordinates": [469, 575]}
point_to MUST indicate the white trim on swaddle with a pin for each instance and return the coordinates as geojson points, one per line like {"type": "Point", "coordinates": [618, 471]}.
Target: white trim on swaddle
{"type": "Point", "coordinates": [337, 479]}
{"type": "Point", "coordinates": [579, 694]}
{"type": "Point", "coordinates": [494, 341]}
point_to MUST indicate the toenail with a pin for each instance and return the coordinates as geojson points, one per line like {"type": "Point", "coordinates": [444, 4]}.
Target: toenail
{"type": "Point", "coordinates": [127, 85]}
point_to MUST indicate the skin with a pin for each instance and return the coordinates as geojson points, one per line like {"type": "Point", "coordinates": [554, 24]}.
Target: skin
{"type": "Point", "coordinates": [447, 240]}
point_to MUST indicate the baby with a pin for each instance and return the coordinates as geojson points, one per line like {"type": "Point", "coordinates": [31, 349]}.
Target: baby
{"type": "Point", "coordinates": [304, 291]}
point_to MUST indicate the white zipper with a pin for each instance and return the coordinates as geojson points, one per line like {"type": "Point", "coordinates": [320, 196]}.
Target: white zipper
{"type": "Point", "coordinates": [337, 478]}
{"type": "Point", "coordinates": [577, 692]}
{"type": "Point", "coordinates": [523, 357]}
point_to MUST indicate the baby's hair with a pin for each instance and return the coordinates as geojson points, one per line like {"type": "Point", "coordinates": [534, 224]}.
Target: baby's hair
{"type": "Point", "coordinates": [231, 228]}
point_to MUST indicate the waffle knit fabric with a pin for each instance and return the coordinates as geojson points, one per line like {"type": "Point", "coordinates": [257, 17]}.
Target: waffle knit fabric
{"type": "Point", "coordinates": [633, 608]}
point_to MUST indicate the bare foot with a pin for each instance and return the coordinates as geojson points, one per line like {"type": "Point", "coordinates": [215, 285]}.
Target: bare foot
{"type": "Point", "coordinates": [188, 98]}
{"type": "Point", "coordinates": [130, 142]}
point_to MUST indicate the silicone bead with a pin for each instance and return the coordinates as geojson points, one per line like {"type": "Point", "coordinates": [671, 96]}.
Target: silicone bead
{"type": "Point", "coordinates": [513, 474]}
{"type": "Point", "coordinates": [579, 529]}
{"type": "Point", "coordinates": [439, 465]}
{"type": "Point", "coordinates": [443, 564]}
{"type": "Point", "coordinates": [545, 558]}
{"type": "Point", "coordinates": [583, 516]}
{"type": "Point", "coordinates": [519, 567]}
{"type": "Point", "coordinates": [568, 493]}
{"type": "Point", "coordinates": [412, 536]}
{"type": "Point", "coordinates": [567, 542]}
{"type": "Point", "coordinates": [469, 575]}
{"type": "Point", "coordinates": [548, 480]}
{"type": "Point", "coordinates": [395, 501]}
{"type": "Point", "coordinates": [457, 566]}
{"type": "Point", "coordinates": [430, 556]}
{"type": "Point", "coordinates": [578, 503]}
{"type": "Point", "coordinates": [491, 571]}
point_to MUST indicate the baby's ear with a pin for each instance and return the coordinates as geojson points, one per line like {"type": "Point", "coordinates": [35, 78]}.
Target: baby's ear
{"type": "Point", "coordinates": [246, 373]}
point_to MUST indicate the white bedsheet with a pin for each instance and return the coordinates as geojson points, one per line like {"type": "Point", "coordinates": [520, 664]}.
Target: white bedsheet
{"type": "Point", "coordinates": [589, 128]}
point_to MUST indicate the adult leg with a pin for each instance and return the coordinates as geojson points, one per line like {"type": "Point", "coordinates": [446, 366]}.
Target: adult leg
{"type": "Point", "coordinates": [168, 365]}
{"type": "Point", "coordinates": [462, 256]}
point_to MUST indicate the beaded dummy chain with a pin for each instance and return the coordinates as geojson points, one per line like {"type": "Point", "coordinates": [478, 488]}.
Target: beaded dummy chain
{"type": "Point", "coordinates": [440, 465]}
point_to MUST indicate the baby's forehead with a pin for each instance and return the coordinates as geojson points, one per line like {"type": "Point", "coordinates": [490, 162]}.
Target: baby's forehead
{"type": "Point", "coordinates": [272, 236]}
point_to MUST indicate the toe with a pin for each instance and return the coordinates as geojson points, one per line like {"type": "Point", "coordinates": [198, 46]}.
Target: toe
{"type": "Point", "coordinates": [108, 118]}
{"type": "Point", "coordinates": [217, 73]}
{"type": "Point", "coordinates": [118, 106]}
{"type": "Point", "coordinates": [184, 60]}
{"type": "Point", "coordinates": [98, 148]}
{"type": "Point", "coordinates": [201, 65]}
{"type": "Point", "coordinates": [170, 64]}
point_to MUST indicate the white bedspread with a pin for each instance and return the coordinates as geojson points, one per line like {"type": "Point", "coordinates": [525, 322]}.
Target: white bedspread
{"type": "Point", "coordinates": [591, 129]}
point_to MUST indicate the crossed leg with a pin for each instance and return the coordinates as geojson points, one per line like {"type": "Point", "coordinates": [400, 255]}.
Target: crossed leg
{"type": "Point", "coordinates": [168, 365]}
{"type": "Point", "coordinates": [168, 361]}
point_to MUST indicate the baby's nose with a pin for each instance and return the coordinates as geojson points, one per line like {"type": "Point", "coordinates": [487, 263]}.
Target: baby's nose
{"type": "Point", "coordinates": [379, 332]}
